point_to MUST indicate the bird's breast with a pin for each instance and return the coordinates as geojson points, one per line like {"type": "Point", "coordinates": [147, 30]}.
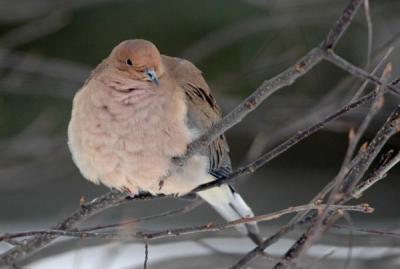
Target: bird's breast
{"type": "Point", "coordinates": [127, 142]}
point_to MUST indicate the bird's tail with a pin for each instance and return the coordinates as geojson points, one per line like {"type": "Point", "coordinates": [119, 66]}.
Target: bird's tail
{"type": "Point", "coordinates": [230, 205]}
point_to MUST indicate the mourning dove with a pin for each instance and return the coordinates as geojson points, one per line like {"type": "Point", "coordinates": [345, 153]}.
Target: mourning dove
{"type": "Point", "coordinates": [137, 111]}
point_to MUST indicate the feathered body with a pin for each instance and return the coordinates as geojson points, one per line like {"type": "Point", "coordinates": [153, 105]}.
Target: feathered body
{"type": "Point", "coordinates": [125, 130]}
{"type": "Point", "coordinates": [126, 138]}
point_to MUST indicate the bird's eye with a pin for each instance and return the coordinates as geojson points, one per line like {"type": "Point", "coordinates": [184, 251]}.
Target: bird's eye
{"type": "Point", "coordinates": [129, 62]}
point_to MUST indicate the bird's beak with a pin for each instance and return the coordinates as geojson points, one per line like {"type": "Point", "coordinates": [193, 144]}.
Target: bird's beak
{"type": "Point", "coordinates": [151, 74]}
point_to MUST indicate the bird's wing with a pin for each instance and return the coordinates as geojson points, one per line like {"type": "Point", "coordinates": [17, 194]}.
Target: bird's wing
{"type": "Point", "coordinates": [202, 111]}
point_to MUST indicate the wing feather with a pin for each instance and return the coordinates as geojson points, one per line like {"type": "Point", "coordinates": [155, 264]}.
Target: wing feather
{"type": "Point", "coordinates": [202, 110]}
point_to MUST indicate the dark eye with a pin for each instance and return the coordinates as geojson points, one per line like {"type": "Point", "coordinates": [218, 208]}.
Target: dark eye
{"type": "Point", "coordinates": [129, 62]}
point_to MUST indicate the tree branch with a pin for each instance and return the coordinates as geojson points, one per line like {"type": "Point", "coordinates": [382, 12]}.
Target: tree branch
{"type": "Point", "coordinates": [209, 227]}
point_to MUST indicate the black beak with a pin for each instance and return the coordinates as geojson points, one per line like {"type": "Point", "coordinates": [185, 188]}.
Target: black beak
{"type": "Point", "coordinates": [151, 74]}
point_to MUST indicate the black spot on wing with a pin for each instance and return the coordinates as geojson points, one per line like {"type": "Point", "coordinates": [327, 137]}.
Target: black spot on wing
{"type": "Point", "coordinates": [201, 93]}
{"type": "Point", "coordinates": [189, 96]}
{"type": "Point", "coordinates": [209, 100]}
{"type": "Point", "coordinates": [198, 92]}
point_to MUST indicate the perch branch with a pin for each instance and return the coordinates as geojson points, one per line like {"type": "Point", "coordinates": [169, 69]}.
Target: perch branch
{"type": "Point", "coordinates": [209, 227]}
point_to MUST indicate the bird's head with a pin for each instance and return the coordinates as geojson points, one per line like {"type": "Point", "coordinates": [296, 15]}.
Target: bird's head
{"type": "Point", "coordinates": [139, 59]}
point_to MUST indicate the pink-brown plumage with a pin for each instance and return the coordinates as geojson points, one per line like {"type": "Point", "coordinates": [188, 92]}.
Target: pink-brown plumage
{"type": "Point", "coordinates": [127, 139]}
{"type": "Point", "coordinates": [137, 111]}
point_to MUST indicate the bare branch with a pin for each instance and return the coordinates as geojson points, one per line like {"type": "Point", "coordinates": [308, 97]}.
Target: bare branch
{"type": "Point", "coordinates": [387, 53]}
{"type": "Point", "coordinates": [356, 71]}
{"type": "Point", "coordinates": [379, 174]}
{"type": "Point", "coordinates": [354, 138]}
{"type": "Point", "coordinates": [209, 227]}
{"type": "Point", "coordinates": [341, 25]}
{"type": "Point", "coordinates": [367, 231]}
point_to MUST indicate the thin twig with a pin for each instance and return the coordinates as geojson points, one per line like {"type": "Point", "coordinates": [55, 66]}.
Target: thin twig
{"type": "Point", "coordinates": [387, 53]}
{"type": "Point", "coordinates": [367, 231]}
{"type": "Point", "coordinates": [356, 71]}
{"type": "Point", "coordinates": [209, 227]}
{"type": "Point", "coordinates": [354, 137]}
{"type": "Point", "coordinates": [389, 128]}
{"type": "Point", "coordinates": [379, 174]}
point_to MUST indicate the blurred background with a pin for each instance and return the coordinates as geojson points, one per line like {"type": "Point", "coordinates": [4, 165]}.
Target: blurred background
{"type": "Point", "coordinates": [48, 47]}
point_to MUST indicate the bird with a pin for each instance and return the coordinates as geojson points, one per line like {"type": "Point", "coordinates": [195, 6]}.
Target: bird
{"type": "Point", "coordinates": [137, 111]}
